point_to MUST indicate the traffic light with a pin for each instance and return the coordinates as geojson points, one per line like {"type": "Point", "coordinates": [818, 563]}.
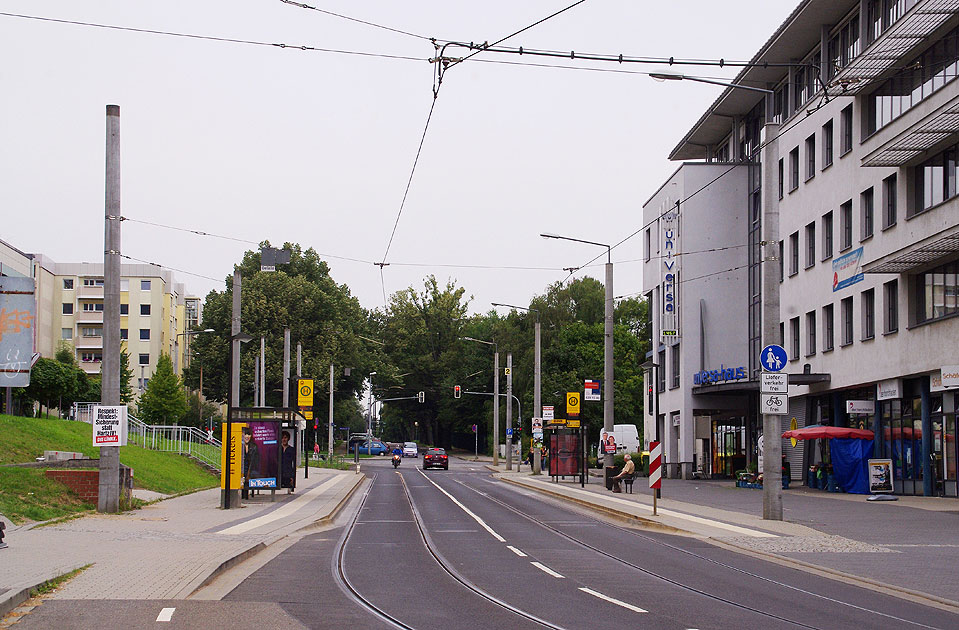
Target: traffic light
{"type": "Point", "coordinates": [421, 397]}
{"type": "Point", "coordinates": [456, 391]}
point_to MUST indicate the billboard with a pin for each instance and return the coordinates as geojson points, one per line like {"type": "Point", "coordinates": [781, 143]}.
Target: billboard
{"type": "Point", "coordinates": [847, 270]}
{"type": "Point", "coordinates": [18, 315]}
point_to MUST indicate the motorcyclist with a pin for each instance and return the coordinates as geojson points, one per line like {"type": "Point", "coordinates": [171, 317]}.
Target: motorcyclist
{"type": "Point", "coordinates": [397, 456]}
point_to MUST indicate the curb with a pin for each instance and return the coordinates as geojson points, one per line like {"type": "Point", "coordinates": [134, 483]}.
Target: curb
{"type": "Point", "coordinates": [856, 580]}
{"type": "Point", "coordinates": [10, 600]}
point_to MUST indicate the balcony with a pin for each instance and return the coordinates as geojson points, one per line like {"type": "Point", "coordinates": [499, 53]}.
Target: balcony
{"type": "Point", "coordinates": [84, 342]}
{"type": "Point", "coordinates": [90, 293]}
{"type": "Point", "coordinates": [90, 367]}
{"type": "Point", "coordinates": [89, 317]}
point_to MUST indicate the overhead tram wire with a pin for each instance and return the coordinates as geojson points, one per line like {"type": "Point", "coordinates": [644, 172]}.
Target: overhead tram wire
{"type": "Point", "coordinates": [229, 40]}
{"type": "Point", "coordinates": [353, 19]}
{"type": "Point", "coordinates": [189, 273]}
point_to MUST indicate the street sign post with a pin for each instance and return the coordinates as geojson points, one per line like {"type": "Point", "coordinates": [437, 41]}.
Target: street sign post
{"type": "Point", "coordinates": [304, 392]}
{"type": "Point", "coordinates": [655, 469]}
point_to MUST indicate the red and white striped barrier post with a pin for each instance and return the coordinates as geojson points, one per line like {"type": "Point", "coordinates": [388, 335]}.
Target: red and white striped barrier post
{"type": "Point", "coordinates": [655, 469]}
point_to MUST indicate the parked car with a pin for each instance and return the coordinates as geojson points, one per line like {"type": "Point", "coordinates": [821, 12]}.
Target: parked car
{"type": "Point", "coordinates": [410, 449]}
{"type": "Point", "coordinates": [436, 458]}
{"type": "Point", "coordinates": [372, 447]}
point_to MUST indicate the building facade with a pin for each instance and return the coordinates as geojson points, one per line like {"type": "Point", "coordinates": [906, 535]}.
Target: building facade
{"type": "Point", "coordinates": [848, 163]}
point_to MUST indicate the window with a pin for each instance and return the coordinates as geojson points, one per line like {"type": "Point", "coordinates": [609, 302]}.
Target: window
{"type": "Point", "coordinates": [91, 307]}
{"type": "Point", "coordinates": [881, 14]}
{"type": "Point", "coordinates": [828, 328]}
{"type": "Point", "coordinates": [846, 314]}
{"type": "Point", "coordinates": [124, 309]}
{"type": "Point", "coordinates": [889, 189]}
{"type": "Point", "coordinates": [145, 359]}
{"type": "Point", "coordinates": [67, 308]}
{"type": "Point", "coordinates": [845, 226]}
{"type": "Point", "coordinates": [88, 331]}
{"type": "Point", "coordinates": [144, 334]}
{"type": "Point", "coordinates": [935, 180]}
{"type": "Point", "coordinates": [66, 333]}
{"type": "Point", "coordinates": [810, 333]}
{"type": "Point", "coordinates": [794, 169]}
{"type": "Point", "coordinates": [124, 333]}
{"type": "Point", "coordinates": [782, 261]}
{"type": "Point", "coordinates": [68, 284]}
{"type": "Point", "coordinates": [782, 334]}
{"type": "Point", "coordinates": [794, 253]}
{"type": "Point", "coordinates": [674, 365]}
{"type": "Point", "coordinates": [827, 144]}
{"type": "Point", "coordinates": [144, 285]}
{"type": "Point", "coordinates": [810, 245]}
{"type": "Point", "coordinates": [661, 372]}
{"type": "Point", "coordinates": [869, 314]}
{"type": "Point", "coordinates": [827, 236]}
{"type": "Point", "coordinates": [890, 292]}
{"type": "Point", "coordinates": [93, 282]}
{"type": "Point", "coordinates": [794, 339]}
{"type": "Point", "coordinates": [144, 309]}
{"type": "Point", "coordinates": [781, 175]}
{"type": "Point", "coordinates": [938, 291]}
{"type": "Point", "coordinates": [810, 157]}
{"type": "Point", "coordinates": [648, 243]}
{"type": "Point", "coordinates": [868, 206]}
{"type": "Point", "coordinates": [91, 357]}
{"type": "Point", "coordinates": [124, 284]}
{"type": "Point", "coordinates": [845, 128]}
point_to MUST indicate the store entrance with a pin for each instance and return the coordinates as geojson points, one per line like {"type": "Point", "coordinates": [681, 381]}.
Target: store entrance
{"type": "Point", "coordinates": [728, 446]}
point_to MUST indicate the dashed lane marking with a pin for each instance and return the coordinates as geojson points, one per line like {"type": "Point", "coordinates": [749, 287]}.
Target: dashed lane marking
{"type": "Point", "coordinates": [166, 614]}
{"type": "Point", "coordinates": [612, 600]}
{"type": "Point", "coordinates": [516, 551]}
{"type": "Point", "coordinates": [466, 509]}
{"type": "Point", "coordinates": [547, 570]}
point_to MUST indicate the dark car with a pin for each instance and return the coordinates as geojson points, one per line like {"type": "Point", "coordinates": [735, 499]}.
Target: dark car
{"type": "Point", "coordinates": [436, 458]}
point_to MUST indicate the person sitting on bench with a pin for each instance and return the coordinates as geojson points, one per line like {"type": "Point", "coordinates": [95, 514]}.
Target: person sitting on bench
{"type": "Point", "coordinates": [628, 469]}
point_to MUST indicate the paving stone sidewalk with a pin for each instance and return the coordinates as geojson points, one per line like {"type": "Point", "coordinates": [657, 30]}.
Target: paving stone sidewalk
{"type": "Point", "coordinates": [167, 549]}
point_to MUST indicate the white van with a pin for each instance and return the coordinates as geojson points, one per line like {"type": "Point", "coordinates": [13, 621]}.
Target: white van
{"type": "Point", "coordinates": [626, 437]}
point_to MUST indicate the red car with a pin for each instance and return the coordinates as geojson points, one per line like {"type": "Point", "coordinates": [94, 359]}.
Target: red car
{"type": "Point", "coordinates": [436, 458]}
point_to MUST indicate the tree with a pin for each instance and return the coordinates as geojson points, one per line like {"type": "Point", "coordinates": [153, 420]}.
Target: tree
{"type": "Point", "coordinates": [164, 401]}
{"type": "Point", "coordinates": [199, 412]}
{"type": "Point", "coordinates": [126, 377]}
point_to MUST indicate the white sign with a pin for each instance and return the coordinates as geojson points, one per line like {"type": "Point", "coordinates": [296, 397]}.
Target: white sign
{"type": "Point", "coordinates": [537, 424]}
{"type": "Point", "coordinates": [773, 383]}
{"type": "Point", "coordinates": [880, 475]}
{"type": "Point", "coordinates": [669, 269]}
{"type": "Point", "coordinates": [760, 446]}
{"type": "Point", "coordinates": [773, 404]}
{"type": "Point", "coordinates": [860, 406]}
{"type": "Point", "coordinates": [547, 412]}
{"type": "Point", "coordinates": [890, 389]}
{"type": "Point", "coordinates": [591, 390]}
{"type": "Point", "coordinates": [109, 425]}
{"type": "Point", "coordinates": [949, 376]}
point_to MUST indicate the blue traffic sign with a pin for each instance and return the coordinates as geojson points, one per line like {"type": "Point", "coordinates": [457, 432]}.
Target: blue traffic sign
{"type": "Point", "coordinates": [773, 358]}
{"type": "Point", "coordinates": [509, 432]}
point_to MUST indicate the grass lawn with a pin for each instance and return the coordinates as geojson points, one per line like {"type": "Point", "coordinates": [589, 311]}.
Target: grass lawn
{"type": "Point", "coordinates": [25, 439]}
{"type": "Point", "coordinates": [26, 494]}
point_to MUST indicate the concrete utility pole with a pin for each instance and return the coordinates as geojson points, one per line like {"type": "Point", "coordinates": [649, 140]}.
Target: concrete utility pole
{"type": "Point", "coordinates": [256, 381]}
{"type": "Point", "coordinates": [109, 478]}
{"type": "Point", "coordinates": [329, 448]}
{"type": "Point", "coordinates": [537, 396]}
{"type": "Point", "coordinates": [772, 427]}
{"type": "Point", "coordinates": [509, 411]}
{"type": "Point", "coordinates": [286, 368]}
{"type": "Point", "coordinates": [608, 419]}
{"type": "Point", "coordinates": [262, 371]}
{"type": "Point", "coordinates": [496, 406]}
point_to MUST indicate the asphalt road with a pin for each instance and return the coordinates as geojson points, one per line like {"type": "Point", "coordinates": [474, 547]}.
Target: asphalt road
{"type": "Point", "coordinates": [458, 549]}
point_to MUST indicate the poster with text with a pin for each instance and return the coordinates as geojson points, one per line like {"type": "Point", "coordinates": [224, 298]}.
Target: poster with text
{"type": "Point", "coordinates": [264, 465]}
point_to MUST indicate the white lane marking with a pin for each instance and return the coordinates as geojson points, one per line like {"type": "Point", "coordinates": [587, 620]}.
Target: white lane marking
{"type": "Point", "coordinates": [516, 551]}
{"type": "Point", "coordinates": [612, 600]}
{"type": "Point", "coordinates": [465, 509]}
{"type": "Point", "coordinates": [285, 510]}
{"type": "Point", "coordinates": [166, 614]}
{"type": "Point", "coordinates": [546, 569]}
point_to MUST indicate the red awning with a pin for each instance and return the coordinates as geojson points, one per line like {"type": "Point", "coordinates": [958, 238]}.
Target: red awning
{"type": "Point", "coordinates": [814, 433]}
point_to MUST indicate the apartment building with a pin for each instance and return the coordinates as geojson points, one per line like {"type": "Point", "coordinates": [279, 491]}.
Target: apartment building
{"type": "Point", "coordinates": [851, 151]}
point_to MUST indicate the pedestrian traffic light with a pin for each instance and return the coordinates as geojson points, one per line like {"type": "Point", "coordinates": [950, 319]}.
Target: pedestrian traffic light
{"type": "Point", "coordinates": [456, 391]}
{"type": "Point", "coordinates": [316, 426]}
{"type": "Point", "coordinates": [421, 397]}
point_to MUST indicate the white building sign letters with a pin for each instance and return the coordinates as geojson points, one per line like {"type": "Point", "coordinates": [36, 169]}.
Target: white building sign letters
{"type": "Point", "coordinates": [670, 271]}
{"type": "Point", "coordinates": [110, 425]}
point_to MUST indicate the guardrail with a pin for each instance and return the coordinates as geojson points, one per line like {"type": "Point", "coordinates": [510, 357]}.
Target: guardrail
{"type": "Point", "coordinates": [174, 438]}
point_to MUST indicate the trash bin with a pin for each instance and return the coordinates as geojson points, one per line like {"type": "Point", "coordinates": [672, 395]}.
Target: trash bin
{"type": "Point", "coordinates": [610, 472]}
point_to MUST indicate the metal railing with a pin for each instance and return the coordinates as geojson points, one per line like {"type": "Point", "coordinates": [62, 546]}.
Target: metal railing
{"type": "Point", "coordinates": [188, 441]}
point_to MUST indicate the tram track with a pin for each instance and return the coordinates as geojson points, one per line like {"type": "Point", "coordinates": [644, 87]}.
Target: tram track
{"type": "Point", "coordinates": [342, 578]}
{"type": "Point", "coordinates": [688, 587]}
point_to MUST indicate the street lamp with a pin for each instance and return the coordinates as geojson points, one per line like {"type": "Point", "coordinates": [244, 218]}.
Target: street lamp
{"type": "Point", "coordinates": [608, 337]}
{"type": "Point", "coordinates": [495, 394]}
{"type": "Point", "coordinates": [369, 415]}
{"type": "Point", "coordinates": [668, 76]}
{"type": "Point", "coordinates": [235, 341]}
{"type": "Point", "coordinates": [176, 345]}
{"type": "Point", "coordinates": [537, 379]}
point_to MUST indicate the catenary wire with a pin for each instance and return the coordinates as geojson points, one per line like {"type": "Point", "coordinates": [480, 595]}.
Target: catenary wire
{"type": "Point", "coordinates": [189, 273]}
{"type": "Point", "coordinates": [230, 40]}
{"type": "Point", "coordinates": [353, 19]}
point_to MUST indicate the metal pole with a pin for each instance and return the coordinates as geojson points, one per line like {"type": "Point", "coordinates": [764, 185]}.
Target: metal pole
{"type": "Point", "coordinates": [109, 477]}
{"type": "Point", "coordinates": [772, 428]}
{"type": "Point", "coordinates": [262, 371]}
{"type": "Point", "coordinates": [537, 398]}
{"type": "Point", "coordinates": [509, 411]}
{"type": "Point", "coordinates": [256, 381]}
{"type": "Point", "coordinates": [329, 448]}
{"type": "Point", "coordinates": [229, 494]}
{"type": "Point", "coordinates": [286, 368]}
{"type": "Point", "coordinates": [608, 359]}
{"type": "Point", "coordinates": [496, 406]}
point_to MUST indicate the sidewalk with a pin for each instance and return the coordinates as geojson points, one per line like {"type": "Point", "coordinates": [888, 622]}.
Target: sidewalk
{"type": "Point", "coordinates": [909, 547]}
{"type": "Point", "coordinates": [166, 550]}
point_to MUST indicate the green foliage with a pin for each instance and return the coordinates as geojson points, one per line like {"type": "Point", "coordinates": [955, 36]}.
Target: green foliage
{"type": "Point", "coordinates": [126, 377]}
{"type": "Point", "coordinates": [164, 401]}
{"type": "Point", "coordinates": [199, 412]}
{"type": "Point", "coordinates": [28, 494]}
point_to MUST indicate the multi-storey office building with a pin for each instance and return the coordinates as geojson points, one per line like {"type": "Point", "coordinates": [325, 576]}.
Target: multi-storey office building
{"type": "Point", "coordinates": [852, 153]}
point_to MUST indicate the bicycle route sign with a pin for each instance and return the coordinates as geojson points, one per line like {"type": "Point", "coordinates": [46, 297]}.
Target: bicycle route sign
{"type": "Point", "coordinates": [774, 404]}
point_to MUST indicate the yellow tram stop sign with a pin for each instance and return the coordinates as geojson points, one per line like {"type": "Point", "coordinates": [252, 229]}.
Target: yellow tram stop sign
{"type": "Point", "coordinates": [304, 392]}
{"type": "Point", "coordinates": [572, 403]}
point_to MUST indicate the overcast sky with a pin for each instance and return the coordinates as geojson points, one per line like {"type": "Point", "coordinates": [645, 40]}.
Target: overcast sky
{"type": "Point", "coordinates": [258, 142]}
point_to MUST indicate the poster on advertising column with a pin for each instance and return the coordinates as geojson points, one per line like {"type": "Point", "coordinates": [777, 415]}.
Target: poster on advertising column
{"type": "Point", "coordinates": [260, 454]}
